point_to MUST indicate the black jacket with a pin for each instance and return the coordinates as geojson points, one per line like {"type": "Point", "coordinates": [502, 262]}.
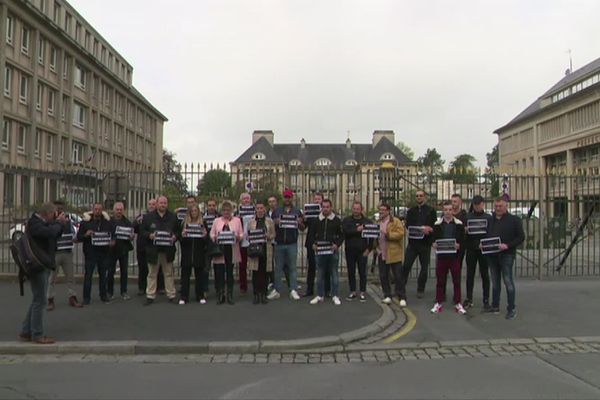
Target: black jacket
{"type": "Point", "coordinates": [192, 249]}
{"type": "Point", "coordinates": [121, 247]}
{"type": "Point", "coordinates": [96, 225]}
{"type": "Point", "coordinates": [510, 230]}
{"type": "Point", "coordinates": [153, 222]}
{"type": "Point", "coordinates": [329, 230]}
{"type": "Point", "coordinates": [44, 235]}
{"type": "Point", "coordinates": [352, 236]}
{"type": "Point", "coordinates": [419, 216]}
{"type": "Point", "coordinates": [472, 241]}
{"type": "Point", "coordinates": [441, 229]}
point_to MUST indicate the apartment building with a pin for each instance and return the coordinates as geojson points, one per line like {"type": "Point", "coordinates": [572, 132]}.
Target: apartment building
{"type": "Point", "coordinates": [69, 110]}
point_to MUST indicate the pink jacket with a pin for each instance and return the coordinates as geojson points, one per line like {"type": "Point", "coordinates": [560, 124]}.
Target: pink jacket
{"type": "Point", "coordinates": [235, 225]}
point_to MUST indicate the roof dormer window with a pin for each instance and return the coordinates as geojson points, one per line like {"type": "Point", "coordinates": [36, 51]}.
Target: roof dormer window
{"type": "Point", "coordinates": [258, 157]}
{"type": "Point", "coordinates": [295, 163]}
{"type": "Point", "coordinates": [387, 156]}
{"type": "Point", "coordinates": [323, 162]}
{"type": "Point", "coordinates": [351, 163]}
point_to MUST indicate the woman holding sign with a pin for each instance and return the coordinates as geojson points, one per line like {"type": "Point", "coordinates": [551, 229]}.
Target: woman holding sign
{"type": "Point", "coordinates": [193, 238]}
{"type": "Point", "coordinates": [227, 232]}
{"type": "Point", "coordinates": [260, 233]}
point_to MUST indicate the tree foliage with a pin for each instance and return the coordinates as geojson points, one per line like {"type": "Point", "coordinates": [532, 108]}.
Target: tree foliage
{"type": "Point", "coordinates": [431, 163]}
{"type": "Point", "coordinates": [493, 158]}
{"type": "Point", "coordinates": [174, 184]}
{"type": "Point", "coordinates": [215, 183]}
{"type": "Point", "coordinates": [407, 151]}
{"type": "Point", "coordinates": [462, 169]}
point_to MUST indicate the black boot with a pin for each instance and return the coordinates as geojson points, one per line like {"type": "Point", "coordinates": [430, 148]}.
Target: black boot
{"type": "Point", "coordinates": [220, 297]}
{"type": "Point", "coordinates": [263, 298]}
{"type": "Point", "coordinates": [230, 298]}
{"type": "Point", "coordinates": [256, 299]}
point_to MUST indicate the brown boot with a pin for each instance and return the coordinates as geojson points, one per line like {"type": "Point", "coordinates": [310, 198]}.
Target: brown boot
{"type": "Point", "coordinates": [74, 303]}
{"type": "Point", "coordinates": [44, 340]}
{"type": "Point", "coordinates": [51, 305]}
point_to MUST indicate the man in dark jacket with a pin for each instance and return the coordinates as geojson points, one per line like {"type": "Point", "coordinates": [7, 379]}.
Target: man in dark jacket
{"type": "Point", "coordinates": [357, 250]}
{"type": "Point", "coordinates": [140, 253]}
{"type": "Point", "coordinates": [328, 238]}
{"type": "Point", "coordinates": [509, 228]}
{"type": "Point", "coordinates": [160, 229]}
{"type": "Point", "coordinates": [477, 223]}
{"type": "Point", "coordinates": [95, 233]}
{"type": "Point", "coordinates": [44, 229]}
{"type": "Point", "coordinates": [424, 217]}
{"type": "Point", "coordinates": [122, 235]}
{"type": "Point", "coordinates": [310, 254]}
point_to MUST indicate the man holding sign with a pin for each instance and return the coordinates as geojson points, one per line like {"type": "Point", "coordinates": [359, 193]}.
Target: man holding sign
{"type": "Point", "coordinates": [507, 231]}
{"type": "Point", "coordinates": [357, 249]}
{"type": "Point", "coordinates": [122, 236]}
{"type": "Point", "coordinates": [448, 233]}
{"type": "Point", "coordinates": [477, 225]}
{"type": "Point", "coordinates": [160, 227]}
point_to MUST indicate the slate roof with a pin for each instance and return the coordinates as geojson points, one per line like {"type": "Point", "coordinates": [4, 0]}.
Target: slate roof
{"type": "Point", "coordinates": [337, 153]}
{"type": "Point", "coordinates": [536, 107]}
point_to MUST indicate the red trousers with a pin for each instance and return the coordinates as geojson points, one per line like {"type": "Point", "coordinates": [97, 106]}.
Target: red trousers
{"type": "Point", "coordinates": [243, 269]}
{"type": "Point", "coordinates": [442, 266]}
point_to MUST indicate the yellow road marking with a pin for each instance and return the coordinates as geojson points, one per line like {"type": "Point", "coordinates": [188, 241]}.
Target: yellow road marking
{"type": "Point", "coordinates": [411, 322]}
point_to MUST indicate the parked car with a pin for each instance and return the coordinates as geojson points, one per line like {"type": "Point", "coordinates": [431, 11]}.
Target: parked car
{"type": "Point", "coordinates": [15, 232]}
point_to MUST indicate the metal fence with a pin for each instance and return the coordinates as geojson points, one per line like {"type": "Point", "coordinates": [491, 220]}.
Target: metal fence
{"type": "Point", "coordinates": [560, 214]}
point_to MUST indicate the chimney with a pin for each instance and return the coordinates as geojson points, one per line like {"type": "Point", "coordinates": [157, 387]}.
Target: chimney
{"type": "Point", "coordinates": [378, 135]}
{"type": "Point", "coordinates": [269, 135]}
{"type": "Point", "coordinates": [348, 143]}
{"type": "Point", "coordinates": [303, 144]}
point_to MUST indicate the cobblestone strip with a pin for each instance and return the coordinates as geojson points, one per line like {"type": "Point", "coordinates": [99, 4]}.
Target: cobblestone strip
{"type": "Point", "coordinates": [380, 355]}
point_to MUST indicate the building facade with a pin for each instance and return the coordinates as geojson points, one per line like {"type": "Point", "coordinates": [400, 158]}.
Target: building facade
{"type": "Point", "coordinates": [345, 172]}
{"type": "Point", "coordinates": [558, 137]}
{"type": "Point", "coordinates": [70, 112]}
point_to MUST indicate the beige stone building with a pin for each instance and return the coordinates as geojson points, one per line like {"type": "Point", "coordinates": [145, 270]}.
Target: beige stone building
{"type": "Point", "coordinates": [558, 137]}
{"type": "Point", "coordinates": [343, 172]}
{"type": "Point", "coordinates": [69, 110]}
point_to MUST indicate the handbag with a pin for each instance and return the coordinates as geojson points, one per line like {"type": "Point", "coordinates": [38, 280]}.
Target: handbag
{"type": "Point", "coordinates": [256, 250]}
{"type": "Point", "coordinates": [213, 250]}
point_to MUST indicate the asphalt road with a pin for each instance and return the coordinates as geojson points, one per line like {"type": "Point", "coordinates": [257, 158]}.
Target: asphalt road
{"type": "Point", "coordinates": [531, 377]}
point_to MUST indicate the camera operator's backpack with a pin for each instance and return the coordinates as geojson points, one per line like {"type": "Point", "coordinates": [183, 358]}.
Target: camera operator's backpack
{"type": "Point", "coordinates": [30, 259]}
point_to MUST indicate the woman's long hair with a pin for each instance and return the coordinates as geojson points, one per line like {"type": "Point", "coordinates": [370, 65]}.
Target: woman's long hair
{"type": "Point", "coordinates": [188, 216]}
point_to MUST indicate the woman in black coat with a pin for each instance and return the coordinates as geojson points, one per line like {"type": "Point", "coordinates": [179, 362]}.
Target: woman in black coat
{"type": "Point", "coordinates": [193, 239]}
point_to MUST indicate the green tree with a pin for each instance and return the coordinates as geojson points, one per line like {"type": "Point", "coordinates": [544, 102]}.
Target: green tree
{"type": "Point", "coordinates": [493, 158]}
{"type": "Point", "coordinates": [462, 169]}
{"type": "Point", "coordinates": [431, 163]}
{"type": "Point", "coordinates": [174, 184]}
{"type": "Point", "coordinates": [407, 151]}
{"type": "Point", "coordinates": [216, 182]}
{"type": "Point", "coordinates": [493, 161]}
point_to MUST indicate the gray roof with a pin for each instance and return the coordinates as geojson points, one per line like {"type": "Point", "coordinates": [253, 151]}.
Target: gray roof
{"type": "Point", "coordinates": [337, 153]}
{"type": "Point", "coordinates": [564, 83]}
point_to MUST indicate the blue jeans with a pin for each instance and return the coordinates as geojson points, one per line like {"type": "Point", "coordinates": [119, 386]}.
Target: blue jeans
{"type": "Point", "coordinates": [327, 265]}
{"type": "Point", "coordinates": [33, 325]}
{"type": "Point", "coordinates": [286, 254]}
{"type": "Point", "coordinates": [93, 261]}
{"type": "Point", "coordinates": [501, 265]}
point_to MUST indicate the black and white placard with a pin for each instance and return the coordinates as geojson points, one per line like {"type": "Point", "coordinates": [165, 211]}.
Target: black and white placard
{"type": "Point", "coordinates": [245, 211]}
{"type": "Point", "coordinates": [181, 212]}
{"type": "Point", "coordinates": [226, 238]}
{"type": "Point", "coordinates": [123, 233]}
{"type": "Point", "coordinates": [101, 239]}
{"type": "Point", "coordinates": [416, 232]}
{"type": "Point", "coordinates": [288, 221]}
{"type": "Point", "coordinates": [324, 248]}
{"type": "Point", "coordinates": [209, 219]}
{"type": "Point", "coordinates": [445, 246]}
{"type": "Point", "coordinates": [371, 231]}
{"type": "Point", "coordinates": [163, 238]}
{"type": "Point", "coordinates": [490, 245]}
{"type": "Point", "coordinates": [257, 236]}
{"type": "Point", "coordinates": [195, 231]}
{"type": "Point", "coordinates": [312, 210]}
{"type": "Point", "coordinates": [65, 242]}
{"type": "Point", "coordinates": [477, 226]}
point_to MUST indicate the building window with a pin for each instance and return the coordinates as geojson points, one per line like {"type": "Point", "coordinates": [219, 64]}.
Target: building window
{"type": "Point", "coordinates": [77, 153]}
{"type": "Point", "coordinates": [53, 59]}
{"type": "Point", "coordinates": [387, 156]}
{"type": "Point", "coordinates": [79, 76]}
{"type": "Point", "coordinates": [25, 40]}
{"type": "Point", "coordinates": [79, 115]}
{"type": "Point", "coordinates": [50, 147]}
{"type": "Point", "coordinates": [68, 23]}
{"type": "Point", "coordinates": [41, 50]}
{"type": "Point", "coordinates": [63, 148]}
{"type": "Point", "coordinates": [295, 163]}
{"type": "Point", "coordinates": [37, 143]}
{"type": "Point", "coordinates": [323, 162]}
{"type": "Point", "coordinates": [87, 40]}
{"type": "Point", "coordinates": [95, 49]}
{"type": "Point", "coordinates": [7, 81]}
{"type": "Point", "coordinates": [66, 62]}
{"type": "Point", "coordinates": [51, 101]}
{"type": "Point", "coordinates": [65, 108]}
{"type": "Point", "coordinates": [21, 138]}
{"type": "Point", "coordinates": [103, 56]}
{"type": "Point", "coordinates": [258, 156]}
{"type": "Point", "coordinates": [57, 9]}
{"type": "Point", "coordinates": [77, 32]}
{"type": "Point", "coordinates": [43, 6]}
{"type": "Point", "coordinates": [10, 29]}
{"type": "Point", "coordinates": [6, 134]}
{"type": "Point", "coordinates": [23, 89]}
{"type": "Point", "coordinates": [38, 99]}
{"type": "Point", "coordinates": [351, 163]}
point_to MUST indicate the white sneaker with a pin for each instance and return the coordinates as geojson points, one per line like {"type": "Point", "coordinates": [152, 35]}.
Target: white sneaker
{"type": "Point", "coordinates": [403, 303]}
{"type": "Point", "coordinates": [336, 300]}
{"type": "Point", "coordinates": [181, 302]}
{"type": "Point", "coordinates": [316, 300]}
{"type": "Point", "coordinates": [387, 300]}
{"type": "Point", "coordinates": [460, 309]}
{"type": "Point", "coordinates": [202, 301]}
{"type": "Point", "coordinates": [273, 295]}
{"type": "Point", "coordinates": [437, 308]}
{"type": "Point", "coordinates": [294, 295]}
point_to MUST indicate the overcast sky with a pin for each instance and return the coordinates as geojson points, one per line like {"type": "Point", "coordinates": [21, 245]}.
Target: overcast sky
{"type": "Point", "coordinates": [440, 73]}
